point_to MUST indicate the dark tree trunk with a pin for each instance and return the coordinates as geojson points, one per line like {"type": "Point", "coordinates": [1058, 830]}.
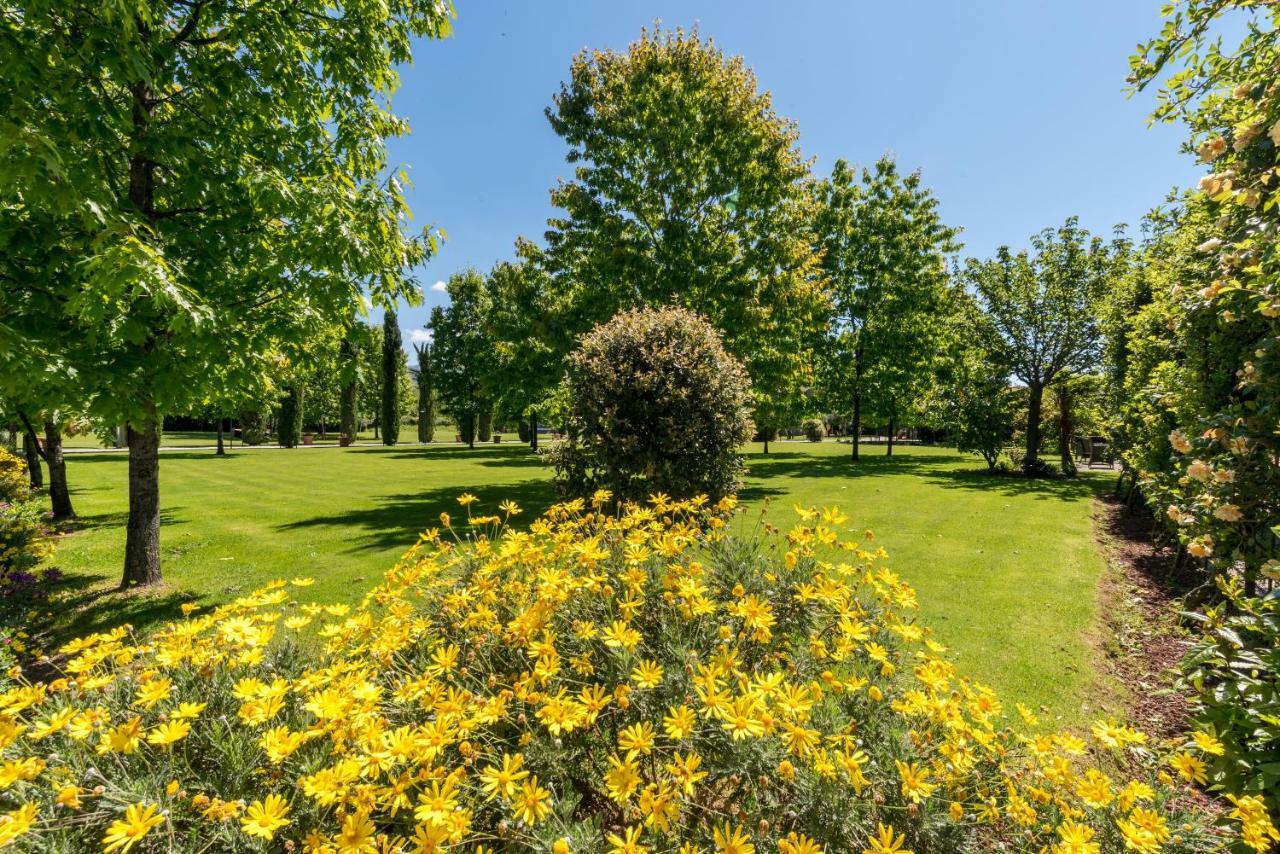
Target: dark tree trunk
{"type": "Point", "coordinates": [533, 429]}
{"type": "Point", "coordinates": [222, 451]}
{"type": "Point", "coordinates": [142, 534]}
{"type": "Point", "coordinates": [888, 450]}
{"type": "Point", "coordinates": [1065, 430]}
{"type": "Point", "coordinates": [1035, 401]}
{"type": "Point", "coordinates": [59, 495]}
{"type": "Point", "coordinates": [484, 424]}
{"type": "Point", "coordinates": [766, 442]}
{"type": "Point", "coordinates": [31, 449]}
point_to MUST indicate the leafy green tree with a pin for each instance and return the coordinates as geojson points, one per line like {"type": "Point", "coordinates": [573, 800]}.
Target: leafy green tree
{"type": "Point", "coordinates": [980, 408]}
{"type": "Point", "coordinates": [189, 187]}
{"type": "Point", "coordinates": [528, 368]}
{"type": "Point", "coordinates": [463, 355]}
{"type": "Point", "coordinates": [884, 255]}
{"type": "Point", "coordinates": [392, 356]}
{"type": "Point", "coordinates": [1042, 311]}
{"type": "Point", "coordinates": [425, 376]}
{"type": "Point", "coordinates": [688, 190]}
{"type": "Point", "coordinates": [320, 375]}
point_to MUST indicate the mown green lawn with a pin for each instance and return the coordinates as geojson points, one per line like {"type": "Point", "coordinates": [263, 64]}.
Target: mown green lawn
{"type": "Point", "coordinates": [1006, 569]}
{"type": "Point", "coordinates": [209, 438]}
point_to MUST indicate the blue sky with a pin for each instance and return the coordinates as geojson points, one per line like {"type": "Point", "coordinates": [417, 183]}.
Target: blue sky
{"type": "Point", "coordinates": [1015, 111]}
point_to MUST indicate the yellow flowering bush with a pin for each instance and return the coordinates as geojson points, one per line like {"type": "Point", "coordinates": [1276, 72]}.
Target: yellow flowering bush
{"type": "Point", "coordinates": [25, 538]}
{"type": "Point", "coordinates": [632, 681]}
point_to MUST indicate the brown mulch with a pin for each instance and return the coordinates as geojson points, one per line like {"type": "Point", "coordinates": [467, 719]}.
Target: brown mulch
{"type": "Point", "coordinates": [1143, 642]}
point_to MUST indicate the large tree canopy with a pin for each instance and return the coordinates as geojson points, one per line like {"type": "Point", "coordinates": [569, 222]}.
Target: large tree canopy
{"type": "Point", "coordinates": [688, 189]}
{"type": "Point", "coordinates": [189, 188]}
{"type": "Point", "coordinates": [884, 253]}
{"type": "Point", "coordinates": [1042, 307]}
{"type": "Point", "coordinates": [463, 355]}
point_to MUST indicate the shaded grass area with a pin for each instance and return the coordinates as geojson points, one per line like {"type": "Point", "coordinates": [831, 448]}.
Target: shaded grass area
{"type": "Point", "coordinates": [1006, 568]}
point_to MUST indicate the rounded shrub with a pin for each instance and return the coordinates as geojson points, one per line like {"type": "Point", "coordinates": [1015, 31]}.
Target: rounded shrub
{"type": "Point", "coordinates": [813, 429]}
{"type": "Point", "coordinates": [655, 405]}
{"type": "Point", "coordinates": [765, 434]}
{"type": "Point", "coordinates": [25, 537]}
{"type": "Point", "coordinates": [637, 681]}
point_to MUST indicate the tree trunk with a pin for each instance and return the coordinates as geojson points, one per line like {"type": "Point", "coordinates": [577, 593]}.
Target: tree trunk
{"type": "Point", "coordinates": [533, 429]}
{"type": "Point", "coordinates": [59, 495]}
{"type": "Point", "coordinates": [222, 451]}
{"type": "Point", "coordinates": [766, 442]}
{"type": "Point", "coordinates": [142, 533]}
{"type": "Point", "coordinates": [31, 449]}
{"type": "Point", "coordinates": [1065, 430]}
{"type": "Point", "coordinates": [1035, 401]}
{"type": "Point", "coordinates": [484, 425]}
{"type": "Point", "coordinates": [888, 450]}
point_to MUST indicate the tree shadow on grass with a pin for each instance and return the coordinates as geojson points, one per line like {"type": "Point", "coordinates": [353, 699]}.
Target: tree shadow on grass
{"type": "Point", "coordinates": [396, 520]}
{"type": "Point", "coordinates": [495, 456]}
{"type": "Point", "coordinates": [84, 603]}
{"type": "Point", "coordinates": [792, 464]}
{"type": "Point", "coordinates": [121, 458]}
{"type": "Point", "coordinates": [1040, 488]}
{"type": "Point", "coordinates": [115, 519]}
{"type": "Point", "coordinates": [758, 492]}
{"type": "Point", "coordinates": [487, 458]}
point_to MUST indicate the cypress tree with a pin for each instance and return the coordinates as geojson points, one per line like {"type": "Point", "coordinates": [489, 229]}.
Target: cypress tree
{"type": "Point", "coordinates": [390, 376]}
{"type": "Point", "coordinates": [426, 394]}
{"type": "Point", "coordinates": [484, 422]}
{"type": "Point", "coordinates": [349, 371]}
{"type": "Point", "coordinates": [290, 426]}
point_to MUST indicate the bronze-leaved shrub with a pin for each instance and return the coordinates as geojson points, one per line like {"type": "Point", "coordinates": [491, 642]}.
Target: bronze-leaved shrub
{"type": "Point", "coordinates": [655, 404]}
{"type": "Point", "coordinates": [632, 681]}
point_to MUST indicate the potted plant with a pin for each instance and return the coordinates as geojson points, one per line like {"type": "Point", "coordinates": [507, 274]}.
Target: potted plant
{"type": "Point", "coordinates": [308, 438]}
{"type": "Point", "coordinates": [345, 441]}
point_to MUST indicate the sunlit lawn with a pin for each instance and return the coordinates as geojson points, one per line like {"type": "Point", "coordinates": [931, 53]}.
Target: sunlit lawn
{"type": "Point", "coordinates": [209, 438]}
{"type": "Point", "coordinates": [1005, 568]}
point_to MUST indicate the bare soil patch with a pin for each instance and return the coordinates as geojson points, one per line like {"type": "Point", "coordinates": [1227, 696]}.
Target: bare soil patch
{"type": "Point", "coordinates": [1141, 642]}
